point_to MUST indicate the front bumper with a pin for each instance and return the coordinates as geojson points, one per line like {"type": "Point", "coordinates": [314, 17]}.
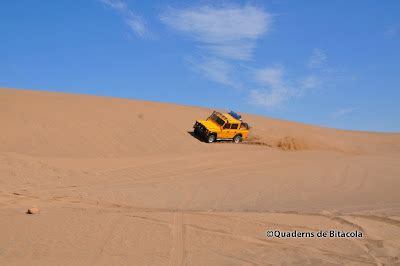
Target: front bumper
{"type": "Point", "coordinates": [200, 130]}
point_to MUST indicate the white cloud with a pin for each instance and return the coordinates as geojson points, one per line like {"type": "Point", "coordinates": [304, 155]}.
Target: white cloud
{"type": "Point", "coordinates": [134, 21]}
{"type": "Point", "coordinates": [228, 32]}
{"type": "Point", "coordinates": [275, 89]}
{"type": "Point", "coordinates": [216, 70]}
{"type": "Point", "coordinates": [223, 34]}
{"type": "Point", "coordinates": [137, 25]}
{"type": "Point", "coordinates": [392, 32]}
{"type": "Point", "coordinates": [268, 99]}
{"type": "Point", "coordinates": [271, 76]}
{"type": "Point", "coordinates": [343, 112]}
{"type": "Point", "coordinates": [227, 36]}
{"type": "Point", "coordinates": [318, 59]}
{"type": "Point", "coordinates": [310, 82]}
{"type": "Point", "coordinates": [116, 4]}
{"type": "Point", "coordinates": [236, 51]}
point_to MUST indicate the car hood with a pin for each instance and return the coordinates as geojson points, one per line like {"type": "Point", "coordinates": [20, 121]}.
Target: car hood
{"type": "Point", "coordinates": [210, 125]}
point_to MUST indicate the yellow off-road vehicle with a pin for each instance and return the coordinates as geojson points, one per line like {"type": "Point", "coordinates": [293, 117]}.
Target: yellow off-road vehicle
{"type": "Point", "coordinates": [220, 126]}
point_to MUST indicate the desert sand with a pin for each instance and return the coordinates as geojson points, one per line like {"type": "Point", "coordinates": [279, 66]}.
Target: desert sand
{"type": "Point", "coordinates": [123, 182]}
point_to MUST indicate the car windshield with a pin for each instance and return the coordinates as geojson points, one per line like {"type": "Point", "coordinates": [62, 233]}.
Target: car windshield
{"type": "Point", "coordinates": [217, 119]}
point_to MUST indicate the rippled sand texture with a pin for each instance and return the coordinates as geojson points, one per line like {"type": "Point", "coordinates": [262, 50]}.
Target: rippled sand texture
{"type": "Point", "coordinates": [123, 182]}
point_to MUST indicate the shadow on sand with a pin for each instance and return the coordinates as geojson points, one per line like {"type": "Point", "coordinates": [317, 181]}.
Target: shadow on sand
{"type": "Point", "coordinates": [195, 136]}
{"type": "Point", "coordinates": [203, 140]}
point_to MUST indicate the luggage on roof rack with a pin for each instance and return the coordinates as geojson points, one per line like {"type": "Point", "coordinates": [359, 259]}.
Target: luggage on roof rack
{"type": "Point", "coordinates": [235, 115]}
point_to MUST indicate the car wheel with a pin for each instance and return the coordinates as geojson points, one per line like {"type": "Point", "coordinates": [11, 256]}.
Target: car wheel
{"type": "Point", "coordinates": [237, 139]}
{"type": "Point", "coordinates": [211, 138]}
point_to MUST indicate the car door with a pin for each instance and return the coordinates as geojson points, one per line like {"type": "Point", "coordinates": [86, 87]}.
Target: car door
{"type": "Point", "coordinates": [233, 130]}
{"type": "Point", "coordinates": [225, 131]}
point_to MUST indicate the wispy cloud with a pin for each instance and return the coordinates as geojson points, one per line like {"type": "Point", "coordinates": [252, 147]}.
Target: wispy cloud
{"type": "Point", "coordinates": [276, 89]}
{"type": "Point", "coordinates": [268, 98]}
{"type": "Point", "coordinates": [343, 112]}
{"type": "Point", "coordinates": [310, 82]}
{"type": "Point", "coordinates": [133, 20]}
{"type": "Point", "coordinates": [318, 59]}
{"type": "Point", "coordinates": [227, 32]}
{"type": "Point", "coordinates": [271, 76]}
{"type": "Point", "coordinates": [224, 35]}
{"type": "Point", "coordinates": [392, 32]}
{"type": "Point", "coordinates": [226, 39]}
{"type": "Point", "coordinates": [215, 69]}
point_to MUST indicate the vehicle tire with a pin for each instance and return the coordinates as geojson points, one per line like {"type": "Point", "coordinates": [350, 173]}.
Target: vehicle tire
{"type": "Point", "coordinates": [237, 139]}
{"type": "Point", "coordinates": [211, 138]}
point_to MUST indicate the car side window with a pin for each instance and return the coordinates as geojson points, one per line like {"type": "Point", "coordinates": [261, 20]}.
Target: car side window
{"type": "Point", "coordinates": [234, 126]}
{"type": "Point", "coordinates": [227, 126]}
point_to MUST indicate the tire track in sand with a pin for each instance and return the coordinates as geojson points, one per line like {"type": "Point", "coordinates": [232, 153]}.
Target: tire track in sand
{"type": "Point", "coordinates": [177, 250]}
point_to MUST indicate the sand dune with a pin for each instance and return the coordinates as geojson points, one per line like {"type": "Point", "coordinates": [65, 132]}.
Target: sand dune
{"type": "Point", "coordinates": [123, 181]}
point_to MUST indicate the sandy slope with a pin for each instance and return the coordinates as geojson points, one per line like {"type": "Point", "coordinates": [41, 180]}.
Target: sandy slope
{"type": "Point", "coordinates": [123, 182]}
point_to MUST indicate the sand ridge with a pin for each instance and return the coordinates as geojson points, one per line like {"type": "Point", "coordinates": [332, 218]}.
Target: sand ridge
{"type": "Point", "coordinates": [120, 181]}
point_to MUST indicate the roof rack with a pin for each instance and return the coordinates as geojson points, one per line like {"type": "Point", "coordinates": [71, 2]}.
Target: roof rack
{"type": "Point", "coordinates": [235, 115]}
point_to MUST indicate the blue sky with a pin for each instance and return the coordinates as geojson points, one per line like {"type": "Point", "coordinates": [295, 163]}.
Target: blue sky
{"type": "Point", "coordinates": [329, 63]}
